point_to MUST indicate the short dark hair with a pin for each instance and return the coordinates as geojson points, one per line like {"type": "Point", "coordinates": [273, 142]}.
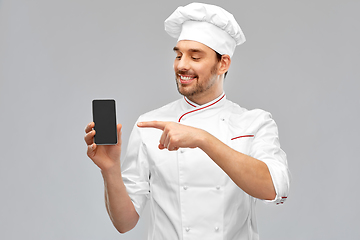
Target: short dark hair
{"type": "Point", "coordinates": [218, 57]}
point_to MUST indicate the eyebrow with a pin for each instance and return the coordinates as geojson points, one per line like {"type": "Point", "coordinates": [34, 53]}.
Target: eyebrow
{"type": "Point", "coordinates": [194, 50]}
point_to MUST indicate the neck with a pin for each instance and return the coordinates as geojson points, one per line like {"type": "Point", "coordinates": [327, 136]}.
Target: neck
{"type": "Point", "coordinates": [205, 97]}
{"type": "Point", "coordinates": [204, 100]}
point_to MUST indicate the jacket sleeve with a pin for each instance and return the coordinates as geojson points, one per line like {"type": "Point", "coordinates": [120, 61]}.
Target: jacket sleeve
{"type": "Point", "coordinates": [135, 171]}
{"type": "Point", "coordinates": [266, 147]}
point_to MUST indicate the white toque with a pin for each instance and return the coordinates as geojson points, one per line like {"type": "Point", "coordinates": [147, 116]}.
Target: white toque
{"type": "Point", "coordinates": [208, 24]}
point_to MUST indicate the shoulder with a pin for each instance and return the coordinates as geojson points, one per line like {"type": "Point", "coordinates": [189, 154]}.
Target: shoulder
{"type": "Point", "coordinates": [238, 111]}
{"type": "Point", "coordinates": [246, 118]}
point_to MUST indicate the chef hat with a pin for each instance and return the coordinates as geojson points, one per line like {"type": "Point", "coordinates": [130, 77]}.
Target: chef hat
{"type": "Point", "coordinates": [207, 24]}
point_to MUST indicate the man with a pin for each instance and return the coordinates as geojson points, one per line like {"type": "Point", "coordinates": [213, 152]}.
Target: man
{"type": "Point", "coordinates": [201, 161]}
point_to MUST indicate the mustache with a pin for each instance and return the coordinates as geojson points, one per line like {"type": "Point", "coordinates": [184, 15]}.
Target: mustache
{"type": "Point", "coordinates": [185, 73]}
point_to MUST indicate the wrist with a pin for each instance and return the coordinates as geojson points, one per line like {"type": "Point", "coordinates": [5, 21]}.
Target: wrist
{"type": "Point", "coordinates": [112, 170]}
{"type": "Point", "coordinates": [202, 139]}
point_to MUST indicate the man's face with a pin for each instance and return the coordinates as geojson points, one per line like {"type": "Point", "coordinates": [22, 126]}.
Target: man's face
{"type": "Point", "coordinates": [196, 68]}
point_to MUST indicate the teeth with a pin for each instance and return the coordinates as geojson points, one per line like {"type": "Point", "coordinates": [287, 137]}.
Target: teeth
{"type": "Point", "coordinates": [185, 78]}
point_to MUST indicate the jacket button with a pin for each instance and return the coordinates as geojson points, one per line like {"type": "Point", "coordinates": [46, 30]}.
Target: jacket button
{"type": "Point", "coordinates": [216, 229]}
{"type": "Point", "coordinates": [217, 187]}
{"type": "Point", "coordinates": [185, 187]}
{"type": "Point", "coordinates": [187, 229]}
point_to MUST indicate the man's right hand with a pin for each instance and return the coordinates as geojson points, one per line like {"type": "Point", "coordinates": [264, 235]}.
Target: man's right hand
{"type": "Point", "coordinates": [104, 156]}
{"type": "Point", "coordinates": [118, 203]}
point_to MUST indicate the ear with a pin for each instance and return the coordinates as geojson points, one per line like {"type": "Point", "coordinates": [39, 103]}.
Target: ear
{"type": "Point", "coordinates": [224, 64]}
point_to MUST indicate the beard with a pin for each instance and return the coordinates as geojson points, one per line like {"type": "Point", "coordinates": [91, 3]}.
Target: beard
{"type": "Point", "coordinates": [199, 87]}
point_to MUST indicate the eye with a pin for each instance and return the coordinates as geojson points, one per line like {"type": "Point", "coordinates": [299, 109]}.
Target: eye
{"type": "Point", "coordinates": [195, 58]}
{"type": "Point", "coordinates": [178, 57]}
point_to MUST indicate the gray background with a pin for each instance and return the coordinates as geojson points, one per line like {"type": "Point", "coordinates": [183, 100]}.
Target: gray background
{"type": "Point", "coordinates": [300, 62]}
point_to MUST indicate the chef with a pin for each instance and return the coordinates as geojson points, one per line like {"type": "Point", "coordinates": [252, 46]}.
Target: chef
{"type": "Point", "coordinates": [200, 162]}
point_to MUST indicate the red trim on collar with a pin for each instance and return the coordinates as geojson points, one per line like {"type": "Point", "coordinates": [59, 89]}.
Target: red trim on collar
{"type": "Point", "coordinates": [242, 137]}
{"type": "Point", "coordinates": [201, 108]}
{"type": "Point", "coordinates": [189, 102]}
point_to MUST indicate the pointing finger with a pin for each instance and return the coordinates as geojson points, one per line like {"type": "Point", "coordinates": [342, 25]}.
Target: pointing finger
{"type": "Point", "coordinates": [153, 124]}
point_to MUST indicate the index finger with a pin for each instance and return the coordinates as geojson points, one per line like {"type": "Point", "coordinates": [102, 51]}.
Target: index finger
{"type": "Point", "coordinates": [153, 124]}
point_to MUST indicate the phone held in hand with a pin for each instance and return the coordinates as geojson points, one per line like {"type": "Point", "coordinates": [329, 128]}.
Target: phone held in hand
{"type": "Point", "coordinates": [104, 117]}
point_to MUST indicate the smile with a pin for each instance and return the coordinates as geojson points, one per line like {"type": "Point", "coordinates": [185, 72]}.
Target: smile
{"type": "Point", "coordinates": [186, 79]}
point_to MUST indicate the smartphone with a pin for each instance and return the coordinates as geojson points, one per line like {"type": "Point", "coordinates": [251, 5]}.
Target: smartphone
{"type": "Point", "coordinates": [104, 117]}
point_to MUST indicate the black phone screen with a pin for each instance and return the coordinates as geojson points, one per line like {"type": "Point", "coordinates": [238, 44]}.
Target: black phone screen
{"type": "Point", "coordinates": [104, 117]}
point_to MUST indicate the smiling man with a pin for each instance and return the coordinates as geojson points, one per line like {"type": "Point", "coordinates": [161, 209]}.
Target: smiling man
{"type": "Point", "coordinates": [198, 71]}
{"type": "Point", "coordinates": [202, 161]}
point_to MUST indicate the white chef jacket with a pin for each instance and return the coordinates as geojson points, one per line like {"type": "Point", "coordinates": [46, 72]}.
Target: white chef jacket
{"type": "Point", "coordinates": [190, 196]}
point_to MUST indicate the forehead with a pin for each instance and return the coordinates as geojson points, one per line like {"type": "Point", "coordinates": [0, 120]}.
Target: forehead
{"type": "Point", "coordinates": [192, 46]}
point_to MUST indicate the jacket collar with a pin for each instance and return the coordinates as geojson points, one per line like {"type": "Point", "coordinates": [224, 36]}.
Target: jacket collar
{"type": "Point", "coordinates": [191, 107]}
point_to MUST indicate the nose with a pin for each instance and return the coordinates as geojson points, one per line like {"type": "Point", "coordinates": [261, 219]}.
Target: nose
{"type": "Point", "coordinates": [182, 64]}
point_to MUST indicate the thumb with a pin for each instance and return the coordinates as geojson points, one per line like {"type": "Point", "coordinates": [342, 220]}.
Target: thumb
{"type": "Point", "coordinates": [119, 127]}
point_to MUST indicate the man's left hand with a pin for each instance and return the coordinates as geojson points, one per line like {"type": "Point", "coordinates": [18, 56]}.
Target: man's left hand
{"type": "Point", "coordinates": [175, 135]}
